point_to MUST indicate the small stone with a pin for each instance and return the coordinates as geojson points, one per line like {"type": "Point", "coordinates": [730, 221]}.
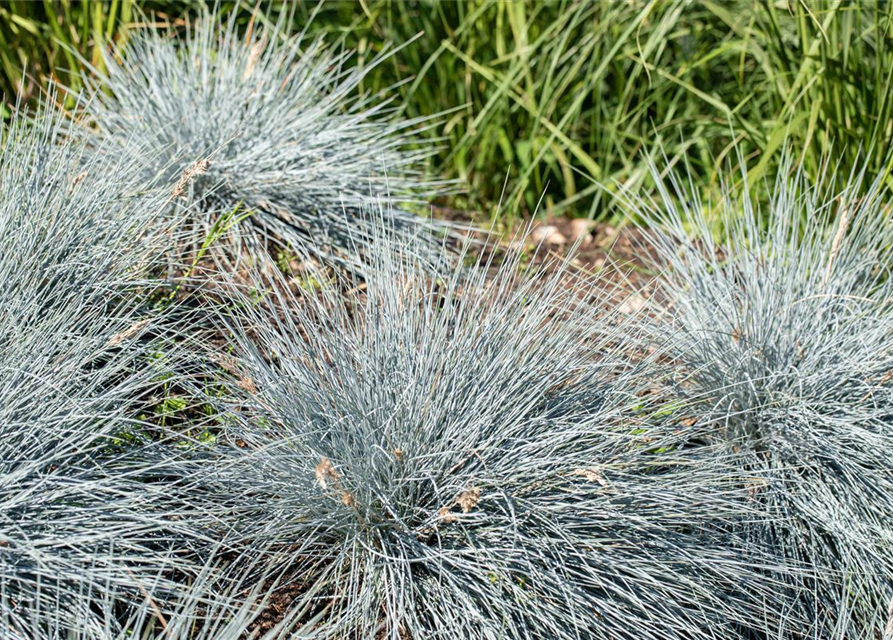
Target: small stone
{"type": "Point", "coordinates": [581, 229]}
{"type": "Point", "coordinates": [547, 234]}
{"type": "Point", "coordinates": [608, 235]}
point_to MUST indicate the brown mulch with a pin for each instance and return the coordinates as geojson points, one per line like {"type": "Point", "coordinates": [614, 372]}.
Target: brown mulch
{"type": "Point", "coordinates": [596, 246]}
{"type": "Point", "coordinates": [620, 258]}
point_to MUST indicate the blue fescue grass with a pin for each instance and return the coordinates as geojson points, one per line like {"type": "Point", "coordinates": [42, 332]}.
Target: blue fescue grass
{"type": "Point", "coordinates": [781, 338]}
{"type": "Point", "coordinates": [86, 527]}
{"type": "Point", "coordinates": [492, 452]}
{"type": "Point", "coordinates": [285, 134]}
{"type": "Point", "coordinates": [444, 458]}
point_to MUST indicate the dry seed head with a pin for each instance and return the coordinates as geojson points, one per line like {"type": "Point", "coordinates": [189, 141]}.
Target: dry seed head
{"type": "Point", "coordinates": [191, 172]}
{"type": "Point", "coordinates": [469, 499]}
{"type": "Point", "coordinates": [325, 472]}
{"type": "Point", "coordinates": [592, 475]}
{"type": "Point", "coordinates": [248, 385]}
{"type": "Point", "coordinates": [838, 238]}
{"type": "Point", "coordinates": [79, 178]}
{"type": "Point", "coordinates": [129, 332]}
{"type": "Point", "coordinates": [446, 516]}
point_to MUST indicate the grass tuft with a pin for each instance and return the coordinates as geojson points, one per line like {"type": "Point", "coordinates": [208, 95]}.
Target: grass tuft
{"type": "Point", "coordinates": [444, 459]}
{"type": "Point", "coordinates": [780, 334]}
{"type": "Point", "coordinates": [276, 126]}
{"type": "Point", "coordinates": [87, 527]}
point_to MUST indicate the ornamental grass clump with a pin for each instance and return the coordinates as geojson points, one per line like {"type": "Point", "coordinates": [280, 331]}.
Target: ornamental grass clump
{"type": "Point", "coordinates": [83, 529]}
{"type": "Point", "coordinates": [782, 338]}
{"type": "Point", "coordinates": [286, 135]}
{"type": "Point", "coordinates": [443, 458]}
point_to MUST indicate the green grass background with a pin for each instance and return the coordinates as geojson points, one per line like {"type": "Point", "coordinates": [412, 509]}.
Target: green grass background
{"type": "Point", "coordinates": [565, 98]}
